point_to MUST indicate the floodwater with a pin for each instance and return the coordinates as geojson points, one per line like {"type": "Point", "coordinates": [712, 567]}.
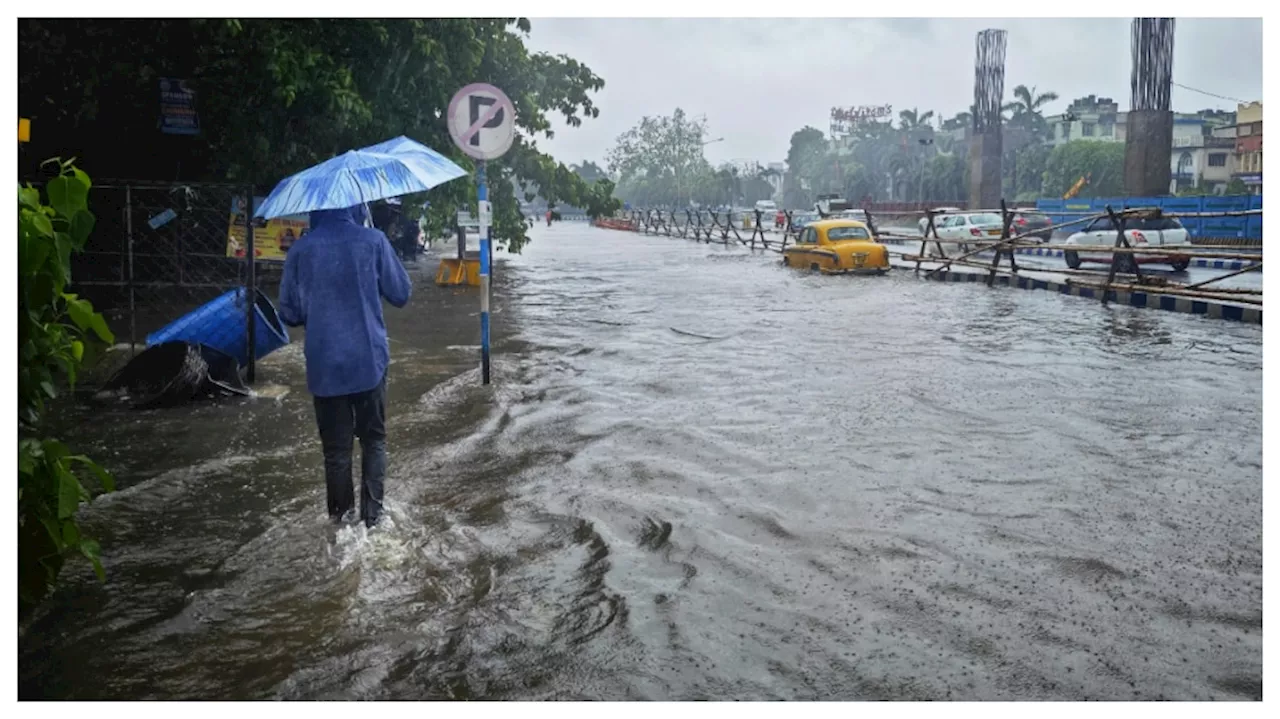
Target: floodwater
{"type": "Point", "coordinates": [700, 475]}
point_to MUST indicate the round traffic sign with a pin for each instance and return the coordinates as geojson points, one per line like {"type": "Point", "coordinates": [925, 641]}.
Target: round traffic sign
{"type": "Point", "coordinates": [482, 121]}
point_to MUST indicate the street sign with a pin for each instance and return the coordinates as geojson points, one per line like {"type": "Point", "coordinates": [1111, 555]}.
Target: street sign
{"type": "Point", "coordinates": [482, 121]}
{"type": "Point", "coordinates": [178, 108]}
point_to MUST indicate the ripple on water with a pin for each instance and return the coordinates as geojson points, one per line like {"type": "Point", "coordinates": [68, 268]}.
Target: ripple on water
{"type": "Point", "coordinates": [699, 474]}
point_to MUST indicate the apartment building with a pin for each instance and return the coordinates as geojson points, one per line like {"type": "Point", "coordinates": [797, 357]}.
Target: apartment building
{"type": "Point", "coordinates": [1088, 118]}
{"type": "Point", "coordinates": [1248, 146]}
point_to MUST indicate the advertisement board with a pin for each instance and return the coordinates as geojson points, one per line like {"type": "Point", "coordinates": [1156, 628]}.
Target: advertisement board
{"type": "Point", "coordinates": [271, 238]}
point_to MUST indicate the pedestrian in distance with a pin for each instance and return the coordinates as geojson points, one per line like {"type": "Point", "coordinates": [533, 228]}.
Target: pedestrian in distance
{"type": "Point", "coordinates": [333, 286]}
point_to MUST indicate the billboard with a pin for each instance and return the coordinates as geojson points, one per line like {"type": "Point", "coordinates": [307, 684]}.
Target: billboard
{"type": "Point", "coordinates": [844, 119]}
{"type": "Point", "coordinates": [271, 238]}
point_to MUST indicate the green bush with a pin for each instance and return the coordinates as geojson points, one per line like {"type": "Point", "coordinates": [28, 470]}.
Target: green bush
{"type": "Point", "coordinates": [55, 328]}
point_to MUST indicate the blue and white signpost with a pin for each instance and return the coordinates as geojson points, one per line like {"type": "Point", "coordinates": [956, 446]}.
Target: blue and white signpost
{"type": "Point", "coordinates": [482, 121]}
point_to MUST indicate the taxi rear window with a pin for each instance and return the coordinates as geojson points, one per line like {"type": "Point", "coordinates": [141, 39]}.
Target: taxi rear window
{"type": "Point", "coordinates": [848, 233]}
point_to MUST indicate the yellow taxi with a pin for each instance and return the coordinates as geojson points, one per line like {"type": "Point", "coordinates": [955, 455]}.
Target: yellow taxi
{"type": "Point", "coordinates": [837, 247]}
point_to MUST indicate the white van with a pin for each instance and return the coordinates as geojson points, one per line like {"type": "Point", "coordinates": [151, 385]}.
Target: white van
{"type": "Point", "coordinates": [768, 208]}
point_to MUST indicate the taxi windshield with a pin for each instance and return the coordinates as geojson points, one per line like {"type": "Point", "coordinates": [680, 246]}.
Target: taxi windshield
{"type": "Point", "coordinates": [836, 234]}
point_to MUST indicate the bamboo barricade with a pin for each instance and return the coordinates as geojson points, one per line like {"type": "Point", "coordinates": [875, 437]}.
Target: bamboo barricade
{"type": "Point", "coordinates": [1122, 274]}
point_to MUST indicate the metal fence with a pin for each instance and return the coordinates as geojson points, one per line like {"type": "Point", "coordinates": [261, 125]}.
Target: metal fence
{"type": "Point", "coordinates": [159, 251]}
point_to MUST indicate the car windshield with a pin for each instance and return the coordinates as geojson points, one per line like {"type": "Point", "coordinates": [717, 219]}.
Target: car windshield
{"type": "Point", "coordinates": [848, 233]}
{"type": "Point", "coordinates": [985, 219]}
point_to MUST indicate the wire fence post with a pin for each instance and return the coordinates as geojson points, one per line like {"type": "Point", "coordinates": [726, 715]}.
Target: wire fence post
{"type": "Point", "coordinates": [250, 287]}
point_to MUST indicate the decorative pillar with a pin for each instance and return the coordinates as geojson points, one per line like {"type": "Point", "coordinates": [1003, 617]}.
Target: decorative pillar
{"type": "Point", "coordinates": [1148, 141]}
{"type": "Point", "coordinates": [987, 145]}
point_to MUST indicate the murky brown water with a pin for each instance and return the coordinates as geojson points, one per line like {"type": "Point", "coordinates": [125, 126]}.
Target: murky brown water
{"type": "Point", "coordinates": [856, 488]}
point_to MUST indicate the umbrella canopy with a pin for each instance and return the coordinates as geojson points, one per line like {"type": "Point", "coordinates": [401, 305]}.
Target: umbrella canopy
{"type": "Point", "coordinates": [389, 169]}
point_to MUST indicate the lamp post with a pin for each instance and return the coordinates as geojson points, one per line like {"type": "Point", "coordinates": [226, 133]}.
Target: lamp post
{"type": "Point", "coordinates": [924, 142]}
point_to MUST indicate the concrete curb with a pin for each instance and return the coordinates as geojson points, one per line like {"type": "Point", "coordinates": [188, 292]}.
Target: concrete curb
{"type": "Point", "coordinates": [1150, 300]}
{"type": "Point", "coordinates": [1210, 264]}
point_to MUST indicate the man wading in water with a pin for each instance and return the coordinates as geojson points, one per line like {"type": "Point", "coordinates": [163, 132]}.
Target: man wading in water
{"type": "Point", "coordinates": [334, 283]}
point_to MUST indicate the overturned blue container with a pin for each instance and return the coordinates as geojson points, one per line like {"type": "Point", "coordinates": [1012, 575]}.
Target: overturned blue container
{"type": "Point", "coordinates": [222, 325]}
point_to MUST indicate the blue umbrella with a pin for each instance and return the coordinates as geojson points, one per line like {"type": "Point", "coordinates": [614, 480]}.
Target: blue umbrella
{"type": "Point", "coordinates": [361, 176]}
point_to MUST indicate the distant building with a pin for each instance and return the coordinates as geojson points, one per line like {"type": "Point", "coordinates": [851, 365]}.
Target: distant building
{"type": "Point", "coordinates": [1248, 146]}
{"type": "Point", "coordinates": [1202, 145]}
{"type": "Point", "coordinates": [1088, 118]}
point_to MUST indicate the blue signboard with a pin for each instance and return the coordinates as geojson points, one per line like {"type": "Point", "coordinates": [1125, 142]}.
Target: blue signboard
{"type": "Point", "coordinates": [178, 108]}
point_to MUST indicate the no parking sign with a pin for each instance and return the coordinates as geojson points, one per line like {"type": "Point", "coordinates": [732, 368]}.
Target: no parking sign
{"type": "Point", "coordinates": [482, 121]}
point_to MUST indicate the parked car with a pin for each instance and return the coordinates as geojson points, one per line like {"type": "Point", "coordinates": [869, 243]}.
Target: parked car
{"type": "Point", "coordinates": [1141, 233]}
{"type": "Point", "coordinates": [924, 221]}
{"type": "Point", "coordinates": [837, 247]}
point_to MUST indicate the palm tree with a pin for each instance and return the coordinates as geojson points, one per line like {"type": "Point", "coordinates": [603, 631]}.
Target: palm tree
{"type": "Point", "coordinates": [1026, 107]}
{"type": "Point", "coordinates": [912, 119]}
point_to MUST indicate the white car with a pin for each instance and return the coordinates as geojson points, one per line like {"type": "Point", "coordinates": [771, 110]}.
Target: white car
{"type": "Point", "coordinates": [969, 227]}
{"type": "Point", "coordinates": [767, 208]}
{"type": "Point", "coordinates": [924, 221]}
{"type": "Point", "coordinates": [1141, 233]}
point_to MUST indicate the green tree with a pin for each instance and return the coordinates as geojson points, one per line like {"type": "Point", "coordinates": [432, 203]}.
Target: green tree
{"type": "Point", "coordinates": [1028, 166]}
{"type": "Point", "coordinates": [805, 157]}
{"type": "Point", "coordinates": [1026, 109]}
{"type": "Point", "coordinates": [1102, 162]}
{"type": "Point", "coordinates": [589, 171]}
{"type": "Point", "coordinates": [947, 179]}
{"type": "Point", "coordinates": [912, 119]}
{"type": "Point", "coordinates": [1237, 187]}
{"type": "Point", "coordinates": [276, 96]}
{"type": "Point", "coordinates": [56, 329]}
{"type": "Point", "coordinates": [661, 161]}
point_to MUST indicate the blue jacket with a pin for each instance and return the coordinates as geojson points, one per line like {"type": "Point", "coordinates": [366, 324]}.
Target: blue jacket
{"type": "Point", "coordinates": [335, 279]}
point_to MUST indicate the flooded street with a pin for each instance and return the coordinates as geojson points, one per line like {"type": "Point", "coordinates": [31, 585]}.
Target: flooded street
{"type": "Point", "coordinates": [700, 475]}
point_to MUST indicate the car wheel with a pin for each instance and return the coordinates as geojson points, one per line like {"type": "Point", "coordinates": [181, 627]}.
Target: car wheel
{"type": "Point", "coordinates": [786, 261]}
{"type": "Point", "coordinates": [1072, 258]}
{"type": "Point", "coordinates": [1181, 264]}
{"type": "Point", "coordinates": [814, 267]}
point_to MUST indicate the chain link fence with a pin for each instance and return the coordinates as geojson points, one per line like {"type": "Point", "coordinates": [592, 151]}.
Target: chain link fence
{"type": "Point", "coordinates": [159, 251]}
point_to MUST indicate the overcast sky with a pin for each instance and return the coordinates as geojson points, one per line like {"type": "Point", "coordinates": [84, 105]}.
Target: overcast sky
{"type": "Point", "coordinates": [759, 80]}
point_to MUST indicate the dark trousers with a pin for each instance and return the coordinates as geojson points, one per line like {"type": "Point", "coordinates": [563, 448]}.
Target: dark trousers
{"type": "Point", "coordinates": [340, 419]}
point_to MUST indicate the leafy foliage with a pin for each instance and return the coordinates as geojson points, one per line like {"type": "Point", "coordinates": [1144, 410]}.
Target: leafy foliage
{"type": "Point", "coordinates": [55, 329]}
{"type": "Point", "coordinates": [660, 161]}
{"type": "Point", "coordinates": [1026, 110]}
{"type": "Point", "coordinates": [275, 96]}
{"type": "Point", "coordinates": [1102, 162]}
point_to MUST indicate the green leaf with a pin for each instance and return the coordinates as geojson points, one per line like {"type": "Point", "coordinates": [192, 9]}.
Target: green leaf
{"type": "Point", "coordinates": [29, 197]}
{"type": "Point", "coordinates": [69, 493]}
{"type": "Point", "coordinates": [70, 534]}
{"type": "Point", "coordinates": [53, 528]}
{"type": "Point", "coordinates": [54, 450]}
{"type": "Point", "coordinates": [93, 552]}
{"type": "Point", "coordinates": [34, 252]}
{"type": "Point", "coordinates": [40, 223]}
{"type": "Point", "coordinates": [81, 227]}
{"type": "Point", "coordinates": [77, 350]}
{"type": "Point", "coordinates": [107, 481]}
{"type": "Point", "coordinates": [68, 194]}
{"type": "Point", "coordinates": [48, 389]}
{"type": "Point", "coordinates": [86, 319]}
